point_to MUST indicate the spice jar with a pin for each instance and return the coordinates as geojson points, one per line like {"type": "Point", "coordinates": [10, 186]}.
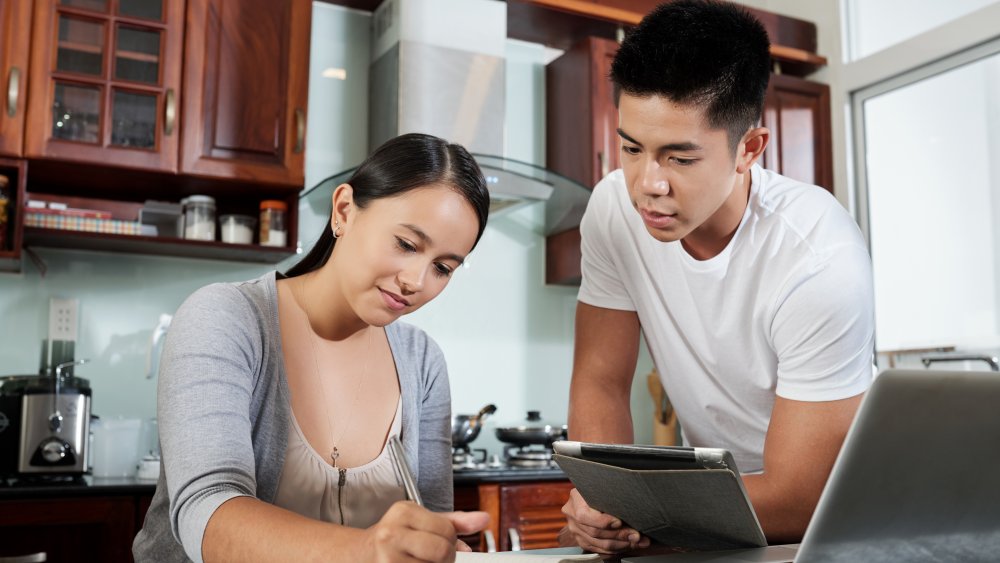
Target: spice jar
{"type": "Point", "coordinates": [199, 217]}
{"type": "Point", "coordinates": [273, 229]}
{"type": "Point", "coordinates": [237, 229]}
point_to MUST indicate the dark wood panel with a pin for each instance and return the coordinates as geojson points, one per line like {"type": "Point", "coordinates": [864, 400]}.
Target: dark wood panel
{"type": "Point", "coordinates": [15, 29]}
{"type": "Point", "coordinates": [246, 88]}
{"type": "Point", "coordinates": [797, 112]}
{"type": "Point", "coordinates": [534, 510]}
{"type": "Point", "coordinates": [69, 530]}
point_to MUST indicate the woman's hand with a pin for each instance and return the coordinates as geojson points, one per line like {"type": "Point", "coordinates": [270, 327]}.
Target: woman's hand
{"type": "Point", "coordinates": [594, 530]}
{"type": "Point", "coordinates": [408, 532]}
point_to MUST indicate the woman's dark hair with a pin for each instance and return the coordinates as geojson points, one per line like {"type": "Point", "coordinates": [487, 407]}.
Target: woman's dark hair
{"type": "Point", "coordinates": [405, 163]}
{"type": "Point", "coordinates": [715, 55]}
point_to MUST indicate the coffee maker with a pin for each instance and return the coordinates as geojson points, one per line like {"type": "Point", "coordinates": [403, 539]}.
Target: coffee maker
{"type": "Point", "coordinates": [44, 423]}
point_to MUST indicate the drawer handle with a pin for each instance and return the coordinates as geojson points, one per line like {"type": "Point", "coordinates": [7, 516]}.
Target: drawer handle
{"type": "Point", "coordinates": [13, 90]}
{"type": "Point", "coordinates": [515, 539]}
{"type": "Point", "coordinates": [491, 544]}
{"type": "Point", "coordinates": [31, 558]}
{"type": "Point", "coordinates": [300, 130]}
{"type": "Point", "coordinates": [170, 112]}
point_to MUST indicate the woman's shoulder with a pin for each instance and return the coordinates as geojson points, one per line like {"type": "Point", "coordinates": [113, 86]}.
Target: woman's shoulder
{"type": "Point", "coordinates": [413, 343]}
{"type": "Point", "coordinates": [225, 301]}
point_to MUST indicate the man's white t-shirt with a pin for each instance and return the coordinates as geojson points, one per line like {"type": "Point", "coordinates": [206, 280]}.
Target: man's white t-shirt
{"type": "Point", "coordinates": [786, 309]}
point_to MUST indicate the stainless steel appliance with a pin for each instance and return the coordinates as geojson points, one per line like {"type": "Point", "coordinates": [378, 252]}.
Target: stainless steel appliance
{"type": "Point", "coordinates": [464, 429]}
{"type": "Point", "coordinates": [44, 423]}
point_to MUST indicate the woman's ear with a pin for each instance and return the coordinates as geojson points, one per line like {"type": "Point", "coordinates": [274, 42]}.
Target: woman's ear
{"type": "Point", "coordinates": [751, 147]}
{"type": "Point", "coordinates": [343, 207]}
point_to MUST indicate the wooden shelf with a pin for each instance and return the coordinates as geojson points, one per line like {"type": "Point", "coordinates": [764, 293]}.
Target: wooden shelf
{"type": "Point", "coordinates": [155, 246]}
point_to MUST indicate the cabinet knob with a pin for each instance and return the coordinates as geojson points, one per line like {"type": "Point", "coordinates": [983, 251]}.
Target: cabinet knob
{"type": "Point", "coordinates": [170, 112]}
{"type": "Point", "coordinates": [13, 89]}
{"type": "Point", "coordinates": [300, 130]}
{"type": "Point", "coordinates": [30, 558]}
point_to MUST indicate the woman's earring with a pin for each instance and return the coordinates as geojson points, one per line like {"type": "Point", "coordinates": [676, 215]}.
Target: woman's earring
{"type": "Point", "coordinates": [336, 228]}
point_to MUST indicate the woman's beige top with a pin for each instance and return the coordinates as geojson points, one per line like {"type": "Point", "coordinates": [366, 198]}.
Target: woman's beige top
{"type": "Point", "coordinates": [355, 496]}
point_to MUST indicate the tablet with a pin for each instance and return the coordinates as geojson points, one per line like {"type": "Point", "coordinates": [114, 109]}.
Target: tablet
{"type": "Point", "coordinates": [633, 456]}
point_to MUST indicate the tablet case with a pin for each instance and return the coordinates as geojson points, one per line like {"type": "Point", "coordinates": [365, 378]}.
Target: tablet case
{"type": "Point", "coordinates": [701, 509]}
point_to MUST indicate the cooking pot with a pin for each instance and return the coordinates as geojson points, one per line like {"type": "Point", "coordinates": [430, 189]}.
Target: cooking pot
{"type": "Point", "coordinates": [533, 430]}
{"type": "Point", "coordinates": [465, 427]}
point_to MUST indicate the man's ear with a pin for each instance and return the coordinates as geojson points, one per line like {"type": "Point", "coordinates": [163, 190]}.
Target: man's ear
{"type": "Point", "coordinates": [751, 147]}
{"type": "Point", "coordinates": [343, 206]}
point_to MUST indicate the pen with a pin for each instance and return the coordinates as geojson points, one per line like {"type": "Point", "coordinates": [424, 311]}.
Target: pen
{"type": "Point", "coordinates": [403, 469]}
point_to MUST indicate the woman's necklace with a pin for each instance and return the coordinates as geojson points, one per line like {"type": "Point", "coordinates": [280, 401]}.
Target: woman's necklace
{"type": "Point", "coordinates": [311, 335]}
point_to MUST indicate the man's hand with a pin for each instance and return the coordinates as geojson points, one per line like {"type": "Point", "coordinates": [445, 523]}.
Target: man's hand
{"type": "Point", "coordinates": [596, 531]}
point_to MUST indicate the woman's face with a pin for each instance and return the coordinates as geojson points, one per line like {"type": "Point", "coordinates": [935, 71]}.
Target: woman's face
{"type": "Point", "coordinates": [398, 253]}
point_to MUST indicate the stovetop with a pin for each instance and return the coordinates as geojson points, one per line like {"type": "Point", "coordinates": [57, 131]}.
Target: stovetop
{"type": "Point", "coordinates": [515, 464]}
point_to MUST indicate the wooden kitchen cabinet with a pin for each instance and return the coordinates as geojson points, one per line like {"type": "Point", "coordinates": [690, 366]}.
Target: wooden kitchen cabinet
{"type": "Point", "coordinates": [797, 112]}
{"type": "Point", "coordinates": [523, 515]}
{"type": "Point", "coordinates": [78, 530]}
{"type": "Point", "coordinates": [246, 86]}
{"type": "Point", "coordinates": [105, 82]}
{"type": "Point", "coordinates": [15, 28]}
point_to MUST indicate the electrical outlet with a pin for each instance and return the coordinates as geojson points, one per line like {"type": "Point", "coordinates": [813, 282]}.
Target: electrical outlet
{"type": "Point", "coordinates": [63, 319]}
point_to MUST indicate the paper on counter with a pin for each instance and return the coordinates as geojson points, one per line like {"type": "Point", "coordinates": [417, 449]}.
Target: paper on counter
{"type": "Point", "coordinates": [512, 557]}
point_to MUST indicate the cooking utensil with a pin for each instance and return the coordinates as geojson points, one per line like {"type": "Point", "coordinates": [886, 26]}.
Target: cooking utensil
{"type": "Point", "coordinates": [533, 430]}
{"type": "Point", "coordinates": [465, 428]}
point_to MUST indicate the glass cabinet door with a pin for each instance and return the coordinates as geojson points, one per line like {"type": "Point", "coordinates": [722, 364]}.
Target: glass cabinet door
{"type": "Point", "coordinates": [113, 79]}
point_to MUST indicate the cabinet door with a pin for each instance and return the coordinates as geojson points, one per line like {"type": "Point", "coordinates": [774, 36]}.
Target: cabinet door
{"type": "Point", "coordinates": [245, 89]}
{"type": "Point", "coordinates": [582, 120]}
{"type": "Point", "coordinates": [105, 78]}
{"type": "Point", "coordinates": [69, 530]}
{"type": "Point", "coordinates": [797, 112]}
{"type": "Point", "coordinates": [531, 514]}
{"type": "Point", "coordinates": [15, 28]}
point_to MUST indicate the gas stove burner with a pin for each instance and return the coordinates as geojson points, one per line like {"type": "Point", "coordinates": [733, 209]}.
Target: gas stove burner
{"type": "Point", "coordinates": [462, 458]}
{"type": "Point", "coordinates": [529, 456]}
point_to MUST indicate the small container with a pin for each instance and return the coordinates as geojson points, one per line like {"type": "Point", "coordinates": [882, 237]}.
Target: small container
{"type": "Point", "coordinates": [199, 217]}
{"type": "Point", "coordinates": [237, 229]}
{"type": "Point", "coordinates": [273, 229]}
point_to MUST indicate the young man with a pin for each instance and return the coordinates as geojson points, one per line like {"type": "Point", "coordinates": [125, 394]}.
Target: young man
{"type": "Point", "coordinates": [753, 291]}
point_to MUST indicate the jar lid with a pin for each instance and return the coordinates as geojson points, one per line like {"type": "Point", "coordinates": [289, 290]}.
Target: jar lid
{"type": "Point", "coordinates": [273, 204]}
{"type": "Point", "coordinates": [199, 199]}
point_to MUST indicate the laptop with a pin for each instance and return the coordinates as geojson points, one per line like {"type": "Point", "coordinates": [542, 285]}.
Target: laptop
{"type": "Point", "coordinates": [917, 479]}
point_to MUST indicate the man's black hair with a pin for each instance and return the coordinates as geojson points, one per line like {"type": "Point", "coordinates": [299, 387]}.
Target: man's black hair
{"type": "Point", "coordinates": [712, 54]}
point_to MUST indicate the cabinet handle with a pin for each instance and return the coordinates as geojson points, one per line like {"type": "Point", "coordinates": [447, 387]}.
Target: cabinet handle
{"type": "Point", "coordinates": [300, 130]}
{"type": "Point", "coordinates": [31, 558]}
{"type": "Point", "coordinates": [170, 113]}
{"type": "Point", "coordinates": [13, 89]}
{"type": "Point", "coordinates": [515, 539]}
{"type": "Point", "coordinates": [491, 544]}
{"type": "Point", "coordinates": [602, 163]}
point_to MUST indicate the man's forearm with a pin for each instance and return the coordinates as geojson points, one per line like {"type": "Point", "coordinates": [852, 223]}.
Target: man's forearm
{"type": "Point", "coordinates": [783, 516]}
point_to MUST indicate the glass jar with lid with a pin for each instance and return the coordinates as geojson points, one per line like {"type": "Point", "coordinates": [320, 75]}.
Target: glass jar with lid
{"type": "Point", "coordinates": [273, 223]}
{"type": "Point", "coordinates": [199, 217]}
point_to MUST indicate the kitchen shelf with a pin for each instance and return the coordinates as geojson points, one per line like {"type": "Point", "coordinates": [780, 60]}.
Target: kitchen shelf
{"type": "Point", "coordinates": [155, 246]}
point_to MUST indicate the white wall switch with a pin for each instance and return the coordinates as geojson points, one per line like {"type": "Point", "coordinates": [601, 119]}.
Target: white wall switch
{"type": "Point", "coordinates": [63, 319]}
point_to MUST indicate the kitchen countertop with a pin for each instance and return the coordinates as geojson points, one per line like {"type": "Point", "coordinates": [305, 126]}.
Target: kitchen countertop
{"type": "Point", "coordinates": [86, 485]}
{"type": "Point", "coordinates": [83, 486]}
{"type": "Point", "coordinates": [507, 474]}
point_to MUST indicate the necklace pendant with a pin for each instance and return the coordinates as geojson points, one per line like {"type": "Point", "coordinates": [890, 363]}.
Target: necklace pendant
{"type": "Point", "coordinates": [334, 455]}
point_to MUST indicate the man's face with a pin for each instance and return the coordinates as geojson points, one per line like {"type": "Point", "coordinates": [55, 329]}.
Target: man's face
{"type": "Point", "coordinates": [680, 173]}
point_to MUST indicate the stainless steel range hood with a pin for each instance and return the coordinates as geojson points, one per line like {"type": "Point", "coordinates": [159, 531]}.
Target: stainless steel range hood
{"type": "Point", "coordinates": [438, 68]}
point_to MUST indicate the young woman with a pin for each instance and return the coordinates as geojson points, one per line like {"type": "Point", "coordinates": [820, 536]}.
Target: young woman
{"type": "Point", "coordinates": [277, 395]}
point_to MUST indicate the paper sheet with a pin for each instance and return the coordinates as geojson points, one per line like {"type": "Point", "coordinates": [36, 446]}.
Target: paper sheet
{"type": "Point", "coordinates": [513, 557]}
